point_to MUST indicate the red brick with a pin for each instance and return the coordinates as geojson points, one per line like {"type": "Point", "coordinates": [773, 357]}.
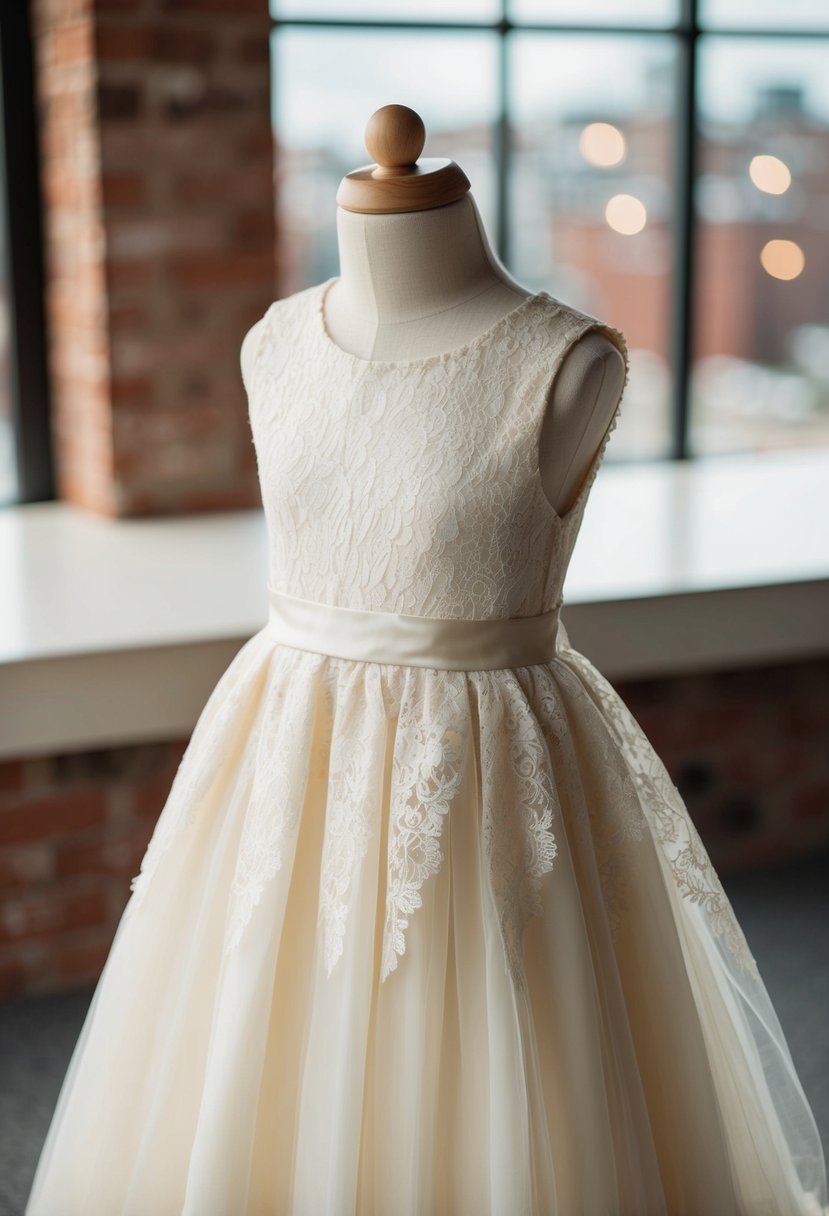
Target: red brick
{"type": "Point", "coordinates": [13, 875]}
{"type": "Point", "coordinates": [177, 748]}
{"type": "Point", "coordinates": [254, 50]}
{"type": "Point", "coordinates": [129, 275]}
{"type": "Point", "coordinates": [83, 962]}
{"type": "Point", "coordinates": [124, 189]}
{"type": "Point", "coordinates": [149, 797]}
{"type": "Point", "coordinates": [119, 855]}
{"type": "Point", "coordinates": [22, 866]}
{"type": "Point", "coordinates": [203, 186]}
{"type": "Point", "coordinates": [107, 159]}
{"type": "Point", "coordinates": [121, 42]}
{"type": "Point", "coordinates": [767, 852]}
{"type": "Point", "coordinates": [72, 44]}
{"type": "Point", "coordinates": [254, 229]}
{"type": "Point", "coordinates": [241, 497]}
{"type": "Point", "coordinates": [131, 390]}
{"type": "Point", "coordinates": [54, 815]}
{"type": "Point", "coordinates": [84, 492]}
{"type": "Point", "coordinates": [183, 44]}
{"type": "Point", "coordinates": [246, 185]}
{"type": "Point", "coordinates": [129, 318]}
{"type": "Point", "coordinates": [808, 716]}
{"type": "Point", "coordinates": [238, 268]}
{"type": "Point", "coordinates": [119, 101]}
{"type": "Point", "coordinates": [812, 802]}
{"type": "Point", "coordinates": [255, 144]}
{"type": "Point", "coordinates": [14, 978]}
{"type": "Point", "coordinates": [11, 776]}
{"type": "Point", "coordinates": [62, 12]}
{"type": "Point", "coordinates": [227, 8]}
{"type": "Point", "coordinates": [213, 100]}
{"type": "Point", "coordinates": [52, 912]}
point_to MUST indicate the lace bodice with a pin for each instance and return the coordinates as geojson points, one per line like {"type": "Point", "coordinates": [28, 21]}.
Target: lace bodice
{"type": "Point", "coordinates": [414, 486]}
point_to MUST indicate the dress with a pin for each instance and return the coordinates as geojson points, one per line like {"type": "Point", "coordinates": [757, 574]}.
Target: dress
{"type": "Point", "coordinates": [424, 928]}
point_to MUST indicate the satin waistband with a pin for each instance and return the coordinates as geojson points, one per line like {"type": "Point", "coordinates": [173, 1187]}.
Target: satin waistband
{"type": "Point", "coordinates": [412, 641]}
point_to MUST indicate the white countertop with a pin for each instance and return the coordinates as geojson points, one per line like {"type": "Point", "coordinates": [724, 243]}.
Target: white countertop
{"type": "Point", "coordinates": [118, 629]}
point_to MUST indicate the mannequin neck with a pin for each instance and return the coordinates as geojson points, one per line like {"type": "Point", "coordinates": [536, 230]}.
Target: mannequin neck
{"type": "Point", "coordinates": [405, 267]}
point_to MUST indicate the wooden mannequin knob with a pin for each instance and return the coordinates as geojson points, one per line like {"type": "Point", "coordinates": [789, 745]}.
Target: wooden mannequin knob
{"type": "Point", "coordinates": [399, 180]}
{"type": "Point", "coordinates": [395, 136]}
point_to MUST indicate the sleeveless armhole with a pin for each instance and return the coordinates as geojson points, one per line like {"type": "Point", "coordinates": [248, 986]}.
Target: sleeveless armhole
{"type": "Point", "coordinates": [264, 325]}
{"type": "Point", "coordinates": [580, 324]}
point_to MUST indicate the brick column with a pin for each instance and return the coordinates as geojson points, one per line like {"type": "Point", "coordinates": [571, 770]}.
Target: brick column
{"type": "Point", "coordinates": [158, 192]}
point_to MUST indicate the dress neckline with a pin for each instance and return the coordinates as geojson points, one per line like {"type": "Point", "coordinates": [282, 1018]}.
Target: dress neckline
{"type": "Point", "coordinates": [426, 360]}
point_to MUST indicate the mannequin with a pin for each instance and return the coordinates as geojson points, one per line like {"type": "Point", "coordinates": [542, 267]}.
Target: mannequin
{"type": "Point", "coordinates": [416, 283]}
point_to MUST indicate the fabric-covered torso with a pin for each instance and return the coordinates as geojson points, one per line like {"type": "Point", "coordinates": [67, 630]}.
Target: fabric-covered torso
{"type": "Point", "coordinates": [413, 487]}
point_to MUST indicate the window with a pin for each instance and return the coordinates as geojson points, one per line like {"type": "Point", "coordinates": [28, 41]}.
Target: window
{"type": "Point", "coordinates": [761, 349]}
{"type": "Point", "coordinates": [663, 164]}
{"type": "Point", "coordinates": [25, 449]}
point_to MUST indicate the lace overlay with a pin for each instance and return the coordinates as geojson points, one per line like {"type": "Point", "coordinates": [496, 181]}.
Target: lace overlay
{"type": "Point", "coordinates": [355, 790]}
{"type": "Point", "coordinates": [422, 494]}
{"type": "Point", "coordinates": [646, 795]}
{"type": "Point", "coordinates": [212, 744]}
{"type": "Point", "coordinates": [429, 759]}
{"type": "Point", "coordinates": [519, 840]}
{"type": "Point", "coordinates": [283, 760]}
{"type": "Point", "coordinates": [405, 487]}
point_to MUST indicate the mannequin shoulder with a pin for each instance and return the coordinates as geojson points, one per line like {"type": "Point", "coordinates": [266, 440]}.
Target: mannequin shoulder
{"type": "Point", "coordinates": [584, 351]}
{"type": "Point", "coordinates": [593, 365]}
{"type": "Point", "coordinates": [249, 348]}
{"type": "Point", "coordinates": [247, 353]}
{"type": "Point", "coordinates": [275, 321]}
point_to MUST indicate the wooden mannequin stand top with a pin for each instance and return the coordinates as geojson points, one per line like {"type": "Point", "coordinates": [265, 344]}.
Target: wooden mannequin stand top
{"type": "Point", "coordinates": [395, 136]}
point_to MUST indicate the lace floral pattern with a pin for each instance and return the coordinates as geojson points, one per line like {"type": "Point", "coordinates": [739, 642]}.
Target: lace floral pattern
{"type": "Point", "coordinates": [282, 768]}
{"type": "Point", "coordinates": [420, 493]}
{"type": "Point", "coordinates": [431, 745]}
{"type": "Point", "coordinates": [657, 800]}
{"type": "Point", "coordinates": [217, 731]}
{"type": "Point", "coordinates": [355, 781]}
{"type": "Point", "coordinates": [520, 806]}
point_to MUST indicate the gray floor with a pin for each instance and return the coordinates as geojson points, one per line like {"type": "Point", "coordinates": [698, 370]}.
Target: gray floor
{"type": "Point", "coordinates": [785, 914]}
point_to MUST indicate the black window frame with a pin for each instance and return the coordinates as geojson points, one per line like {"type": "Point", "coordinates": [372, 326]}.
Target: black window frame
{"type": "Point", "coordinates": [686, 32]}
{"type": "Point", "coordinates": [20, 150]}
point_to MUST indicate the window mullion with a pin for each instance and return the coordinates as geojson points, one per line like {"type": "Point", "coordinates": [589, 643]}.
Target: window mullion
{"type": "Point", "coordinates": [27, 321]}
{"type": "Point", "coordinates": [682, 337]}
{"type": "Point", "coordinates": [502, 144]}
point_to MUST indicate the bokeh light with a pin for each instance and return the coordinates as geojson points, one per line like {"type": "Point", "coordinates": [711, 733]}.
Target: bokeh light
{"type": "Point", "coordinates": [602, 144]}
{"type": "Point", "coordinates": [626, 214]}
{"type": "Point", "coordinates": [770, 174]}
{"type": "Point", "coordinates": [782, 259]}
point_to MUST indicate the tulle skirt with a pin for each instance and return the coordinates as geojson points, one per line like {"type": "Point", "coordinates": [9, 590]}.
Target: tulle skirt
{"type": "Point", "coordinates": [414, 942]}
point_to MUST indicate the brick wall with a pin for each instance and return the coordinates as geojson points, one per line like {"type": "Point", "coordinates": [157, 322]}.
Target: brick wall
{"type": "Point", "coordinates": [73, 830]}
{"type": "Point", "coordinates": [157, 158]}
{"type": "Point", "coordinates": [748, 750]}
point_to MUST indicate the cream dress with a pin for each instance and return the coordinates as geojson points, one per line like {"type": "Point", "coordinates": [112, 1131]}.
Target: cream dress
{"type": "Point", "coordinates": [424, 928]}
